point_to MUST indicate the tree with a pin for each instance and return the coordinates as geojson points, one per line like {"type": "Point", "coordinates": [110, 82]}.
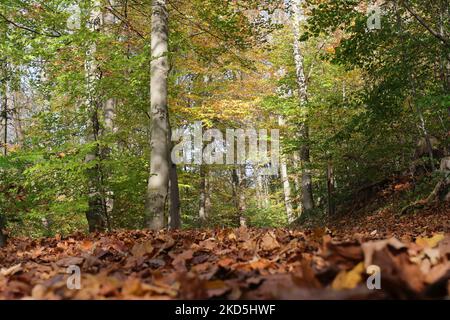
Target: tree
{"type": "Point", "coordinates": [158, 182]}
{"type": "Point", "coordinates": [302, 88]}
{"type": "Point", "coordinates": [96, 213]}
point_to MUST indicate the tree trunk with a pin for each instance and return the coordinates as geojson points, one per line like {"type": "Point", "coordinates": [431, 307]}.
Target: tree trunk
{"type": "Point", "coordinates": [5, 117]}
{"type": "Point", "coordinates": [96, 213]}
{"type": "Point", "coordinates": [297, 183]}
{"type": "Point", "coordinates": [158, 182]}
{"type": "Point", "coordinates": [307, 191]}
{"type": "Point", "coordinates": [286, 185]}
{"type": "Point", "coordinates": [17, 120]}
{"type": "Point", "coordinates": [2, 235]}
{"type": "Point", "coordinates": [175, 206]}
{"type": "Point", "coordinates": [238, 193]}
{"type": "Point", "coordinates": [263, 196]}
{"type": "Point", "coordinates": [330, 189]}
{"type": "Point", "coordinates": [202, 213]}
{"type": "Point", "coordinates": [445, 56]}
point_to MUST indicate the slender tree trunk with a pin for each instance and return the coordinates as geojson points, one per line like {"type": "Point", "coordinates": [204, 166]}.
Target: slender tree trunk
{"type": "Point", "coordinates": [2, 235]}
{"type": "Point", "coordinates": [297, 183]}
{"type": "Point", "coordinates": [109, 114]}
{"type": "Point", "coordinates": [286, 185]}
{"type": "Point", "coordinates": [202, 213]}
{"type": "Point", "coordinates": [330, 189]}
{"type": "Point", "coordinates": [307, 191]}
{"type": "Point", "coordinates": [208, 203]}
{"type": "Point", "coordinates": [96, 213]}
{"type": "Point", "coordinates": [175, 205]}
{"type": "Point", "coordinates": [5, 116]}
{"type": "Point", "coordinates": [263, 195]}
{"type": "Point", "coordinates": [158, 182]}
{"type": "Point", "coordinates": [445, 56]}
{"type": "Point", "coordinates": [238, 193]}
{"type": "Point", "coordinates": [17, 120]}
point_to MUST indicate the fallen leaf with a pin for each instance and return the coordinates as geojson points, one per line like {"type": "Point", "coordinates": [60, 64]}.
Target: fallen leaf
{"type": "Point", "coordinates": [348, 279]}
{"type": "Point", "coordinates": [12, 270]}
{"type": "Point", "coordinates": [70, 261]}
{"type": "Point", "coordinates": [269, 242]}
{"type": "Point", "coordinates": [369, 248]}
{"type": "Point", "coordinates": [141, 249]}
{"type": "Point", "coordinates": [430, 242]}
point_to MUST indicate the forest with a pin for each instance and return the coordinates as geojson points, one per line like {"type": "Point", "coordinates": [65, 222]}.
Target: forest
{"type": "Point", "coordinates": [230, 149]}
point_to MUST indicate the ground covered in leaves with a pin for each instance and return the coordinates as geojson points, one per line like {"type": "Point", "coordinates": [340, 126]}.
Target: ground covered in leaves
{"type": "Point", "coordinates": [233, 264]}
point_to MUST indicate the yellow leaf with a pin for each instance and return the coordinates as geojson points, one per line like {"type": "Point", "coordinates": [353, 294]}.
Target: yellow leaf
{"type": "Point", "coordinates": [232, 236]}
{"type": "Point", "coordinates": [430, 242]}
{"type": "Point", "coordinates": [348, 280]}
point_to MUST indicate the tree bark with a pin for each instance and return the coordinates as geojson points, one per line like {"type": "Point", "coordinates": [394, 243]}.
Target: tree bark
{"type": "Point", "coordinates": [158, 182]}
{"type": "Point", "coordinates": [286, 185]}
{"type": "Point", "coordinates": [202, 213]}
{"type": "Point", "coordinates": [2, 235]}
{"type": "Point", "coordinates": [175, 205]}
{"type": "Point", "coordinates": [302, 87]}
{"type": "Point", "coordinates": [109, 115]}
{"type": "Point", "coordinates": [5, 114]}
{"type": "Point", "coordinates": [17, 120]}
{"type": "Point", "coordinates": [96, 213]}
{"type": "Point", "coordinates": [238, 194]}
{"type": "Point", "coordinates": [330, 189]}
{"type": "Point", "coordinates": [263, 195]}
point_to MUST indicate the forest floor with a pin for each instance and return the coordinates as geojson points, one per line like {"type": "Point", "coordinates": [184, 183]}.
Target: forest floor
{"type": "Point", "coordinates": [412, 252]}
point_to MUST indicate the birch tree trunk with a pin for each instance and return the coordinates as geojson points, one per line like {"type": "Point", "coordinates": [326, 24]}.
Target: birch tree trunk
{"type": "Point", "coordinates": [158, 182]}
{"type": "Point", "coordinates": [109, 116]}
{"type": "Point", "coordinates": [286, 185]}
{"type": "Point", "coordinates": [307, 191]}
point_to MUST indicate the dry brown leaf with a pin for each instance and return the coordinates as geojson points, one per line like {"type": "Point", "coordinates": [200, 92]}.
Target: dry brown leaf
{"type": "Point", "coordinates": [269, 242]}
{"type": "Point", "coordinates": [141, 249]}
{"type": "Point", "coordinates": [11, 270]}
{"type": "Point", "coordinates": [70, 261]}
{"type": "Point", "coordinates": [369, 248]}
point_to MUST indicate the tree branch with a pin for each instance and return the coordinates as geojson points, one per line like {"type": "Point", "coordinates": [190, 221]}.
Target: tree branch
{"type": "Point", "coordinates": [28, 28]}
{"type": "Point", "coordinates": [436, 34]}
